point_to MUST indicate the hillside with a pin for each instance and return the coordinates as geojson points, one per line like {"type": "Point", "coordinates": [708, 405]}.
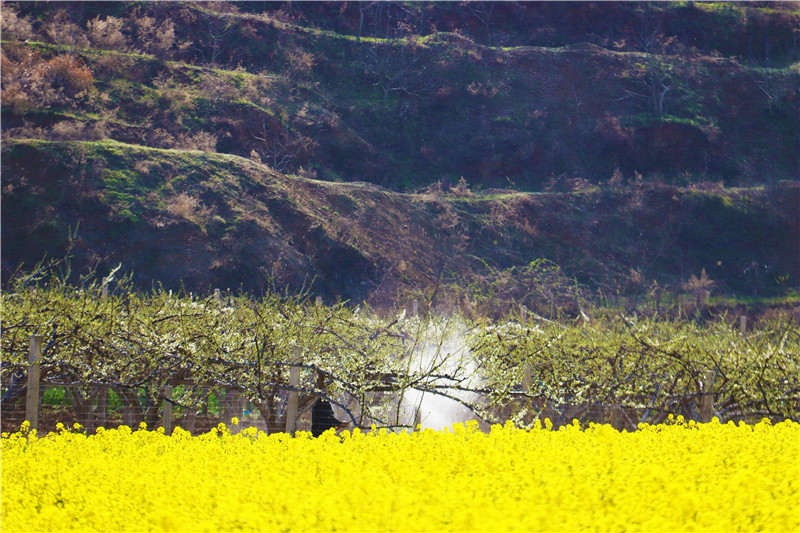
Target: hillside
{"type": "Point", "coordinates": [202, 220]}
{"type": "Point", "coordinates": [369, 149]}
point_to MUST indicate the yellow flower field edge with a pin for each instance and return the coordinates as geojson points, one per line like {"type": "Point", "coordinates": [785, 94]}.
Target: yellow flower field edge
{"type": "Point", "coordinates": [676, 476]}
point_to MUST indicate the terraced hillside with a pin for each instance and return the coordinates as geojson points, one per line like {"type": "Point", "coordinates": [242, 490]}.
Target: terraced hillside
{"type": "Point", "coordinates": [366, 149]}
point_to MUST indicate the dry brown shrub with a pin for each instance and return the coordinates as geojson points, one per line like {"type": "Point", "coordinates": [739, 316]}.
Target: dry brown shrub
{"type": "Point", "coordinates": [107, 33]}
{"type": "Point", "coordinates": [62, 31]}
{"type": "Point", "coordinates": [156, 39]}
{"type": "Point", "coordinates": [564, 183]}
{"type": "Point", "coordinates": [13, 26]}
{"type": "Point", "coordinates": [256, 89]}
{"type": "Point", "coordinates": [254, 156]}
{"type": "Point", "coordinates": [203, 140]}
{"type": "Point", "coordinates": [29, 80]}
{"type": "Point", "coordinates": [144, 166]}
{"type": "Point", "coordinates": [217, 88]}
{"type": "Point", "coordinates": [114, 64]}
{"type": "Point", "coordinates": [189, 208]}
{"type": "Point", "coordinates": [160, 138]}
{"type": "Point", "coordinates": [69, 72]}
{"type": "Point", "coordinates": [300, 62]}
{"type": "Point", "coordinates": [74, 130]}
{"type": "Point", "coordinates": [462, 189]}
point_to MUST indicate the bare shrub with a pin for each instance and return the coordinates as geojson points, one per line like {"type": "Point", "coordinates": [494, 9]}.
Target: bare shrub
{"type": "Point", "coordinates": [32, 81]}
{"type": "Point", "coordinates": [144, 166]}
{"type": "Point", "coordinates": [107, 33]}
{"type": "Point", "coordinates": [256, 89]}
{"type": "Point", "coordinates": [69, 72]}
{"type": "Point", "coordinates": [160, 138]}
{"type": "Point", "coordinates": [299, 61]}
{"type": "Point", "coordinates": [217, 88]}
{"type": "Point", "coordinates": [255, 157]}
{"type": "Point", "coordinates": [156, 39]}
{"type": "Point", "coordinates": [62, 31]}
{"type": "Point", "coordinates": [171, 97]}
{"type": "Point", "coordinates": [462, 189]}
{"type": "Point", "coordinates": [73, 130]}
{"type": "Point", "coordinates": [203, 140]}
{"type": "Point", "coordinates": [564, 183]}
{"type": "Point", "coordinates": [13, 26]}
{"type": "Point", "coordinates": [189, 208]}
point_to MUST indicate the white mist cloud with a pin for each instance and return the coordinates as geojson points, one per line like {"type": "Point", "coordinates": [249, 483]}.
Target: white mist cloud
{"type": "Point", "coordinates": [441, 349]}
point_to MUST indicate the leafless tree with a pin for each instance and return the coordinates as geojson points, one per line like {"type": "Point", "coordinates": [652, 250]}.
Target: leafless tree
{"type": "Point", "coordinates": [483, 12]}
{"type": "Point", "coordinates": [277, 147]}
{"type": "Point", "coordinates": [392, 64]}
{"type": "Point", "coordinates": [654, 75]}
{"type": "Point", "coordinates": [220, 23]}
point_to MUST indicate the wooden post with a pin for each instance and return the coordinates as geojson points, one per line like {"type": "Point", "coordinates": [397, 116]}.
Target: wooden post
{"type": "Point", "coordinates": [707, 400]}
{"type": "Point", "coordinates": [318, 301]}
{"type": "Point", "coordinates": [217, 296]}
{"type": "Point", "coordinates": [189, 420]}
{"type": "Point", "coordinates": [614, 418]}
{"type": "Point", "coordinates": [526, 377]}
{"type": "Point", "coordinates": [743, 324]}
{"type": "Point", "coordinates": [166, 410]}
{"type": "Point", "coordinates": [292, 401]}
{"type": "Point", "coordinates": [130, 407]}
{"type": "Point", "coordinates": [34, 373]}
{"type": "Point", "coordinates": [104, 289]}
{"type": "Point", "coordinates": [415, 308]}
{"type": "Point", "coordinates": [523, 313]}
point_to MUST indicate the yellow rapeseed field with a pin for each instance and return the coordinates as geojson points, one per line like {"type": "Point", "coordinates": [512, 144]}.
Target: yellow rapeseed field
{"type": "Point", "coordinates": [674, 477]}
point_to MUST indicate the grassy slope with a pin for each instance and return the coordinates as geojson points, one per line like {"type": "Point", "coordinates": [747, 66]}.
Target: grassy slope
{"type": "Point", "coordinates": [219, 220]}
{"type": "Point", "coordinates": [406, 112]}
{"type": "Point", "coordinates": [519, 110]}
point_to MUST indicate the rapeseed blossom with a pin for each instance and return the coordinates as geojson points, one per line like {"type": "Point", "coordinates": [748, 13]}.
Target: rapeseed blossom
{"type": "Point", "coordinates": [674, 477]}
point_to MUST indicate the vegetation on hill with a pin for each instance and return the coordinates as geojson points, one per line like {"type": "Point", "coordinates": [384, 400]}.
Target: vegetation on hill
{"type": "Point", "coordinates": [201, 220]}
{"type": "Point", "coordinates": [405, 95]}
{"type": "Point", "coordinates": [371, 149]}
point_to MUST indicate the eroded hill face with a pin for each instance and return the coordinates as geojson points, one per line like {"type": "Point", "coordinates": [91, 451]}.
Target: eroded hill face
{"type": "Point", "coordinates": [367, 150]}
{"type": "Point", "coordinates": [504, 94]}
{"type": "Point", "coordinates": [198, 221]}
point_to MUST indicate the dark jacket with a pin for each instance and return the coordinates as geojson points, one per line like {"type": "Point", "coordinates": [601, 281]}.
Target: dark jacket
{"type": "Point", "coordinates": [322, 418]}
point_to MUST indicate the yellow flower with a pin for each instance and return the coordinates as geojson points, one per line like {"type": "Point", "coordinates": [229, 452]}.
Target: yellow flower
{"type": "Point", "coordinates": [670, 477]}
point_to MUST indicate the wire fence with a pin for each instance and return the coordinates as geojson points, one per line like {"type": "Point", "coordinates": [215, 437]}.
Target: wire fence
{"type": "Point", "coordinates": [109, 407]}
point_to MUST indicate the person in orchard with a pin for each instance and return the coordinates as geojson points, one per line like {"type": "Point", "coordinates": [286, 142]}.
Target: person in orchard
{"type": "Point", "coordinates": [322, 417]}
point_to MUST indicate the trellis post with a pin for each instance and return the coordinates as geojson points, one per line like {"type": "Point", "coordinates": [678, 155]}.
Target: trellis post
{"type": "Point", "coordinates": [707, 399]}
{"type": "Point", "coordinates": [743, 324]}
{"type": "Point", "coordinates": [217, 296]}
{"type": "Point", "coordinates": [292, 401]}
{"type": "Point", "coordinates": [34, 373]}
{"type": "Point", "coordinates": [102, 405]}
